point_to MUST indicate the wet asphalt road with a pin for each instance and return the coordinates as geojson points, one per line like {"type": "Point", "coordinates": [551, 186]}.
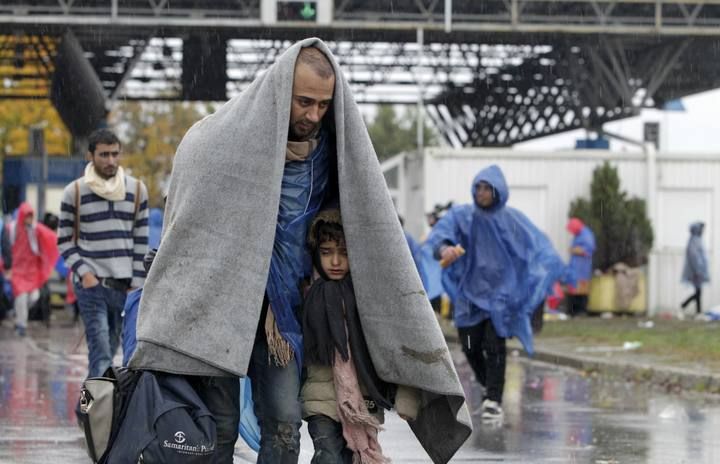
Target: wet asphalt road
{"type": "Point", "coordinates": [553, 414]}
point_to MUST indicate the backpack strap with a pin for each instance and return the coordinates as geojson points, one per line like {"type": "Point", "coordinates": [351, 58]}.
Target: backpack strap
{"type": "Point", "coordinates": [76, 224]}
{"type": "Point", "coordinates": [137, 200]}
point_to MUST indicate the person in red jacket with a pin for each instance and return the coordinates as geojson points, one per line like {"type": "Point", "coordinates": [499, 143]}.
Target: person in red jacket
{"type": "Point", "coordinates": [34, 253]}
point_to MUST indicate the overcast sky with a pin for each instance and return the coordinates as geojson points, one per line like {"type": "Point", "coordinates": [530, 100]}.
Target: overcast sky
{"type": "Point", "coordinates": [695, 130]}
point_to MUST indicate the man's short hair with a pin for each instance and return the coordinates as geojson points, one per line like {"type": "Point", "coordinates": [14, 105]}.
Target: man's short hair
{"type": "Point", "coordinates": [102, 136]}
{"type": "Point", "coordinates": [316, 60]}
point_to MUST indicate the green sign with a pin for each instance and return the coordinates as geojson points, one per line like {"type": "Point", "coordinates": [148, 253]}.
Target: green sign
{"type": "Point", "coordinates": [308, 12]}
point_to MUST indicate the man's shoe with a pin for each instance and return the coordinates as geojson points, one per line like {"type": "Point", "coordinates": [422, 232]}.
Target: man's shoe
{"type": "Point", "coordinates": [491, 410]}
{"type": "Point", "coordinates": [20, 331]}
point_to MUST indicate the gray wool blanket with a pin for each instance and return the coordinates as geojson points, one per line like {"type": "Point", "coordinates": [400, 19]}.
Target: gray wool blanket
{"type": "Point", "coordinates": [202, 299]}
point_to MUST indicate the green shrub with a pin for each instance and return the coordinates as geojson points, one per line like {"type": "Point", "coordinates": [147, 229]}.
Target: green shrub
{"type": "Point", "coordinates": [622, 229]}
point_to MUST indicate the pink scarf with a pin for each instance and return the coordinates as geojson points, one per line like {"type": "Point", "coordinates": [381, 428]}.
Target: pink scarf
{"type": "Point", "coordinates": [360, 428]}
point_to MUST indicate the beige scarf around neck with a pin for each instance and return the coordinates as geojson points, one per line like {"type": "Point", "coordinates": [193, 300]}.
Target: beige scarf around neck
{"type": "Point", "coordinates": [112, 189]}
{"type": "Point", "coordinates": [299, 151]}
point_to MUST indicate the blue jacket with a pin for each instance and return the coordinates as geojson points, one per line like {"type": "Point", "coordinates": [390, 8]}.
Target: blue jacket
{"type": "Point", "coordinates": [695, 270]}
{"type": "Point", "coordinates": [509, 265]}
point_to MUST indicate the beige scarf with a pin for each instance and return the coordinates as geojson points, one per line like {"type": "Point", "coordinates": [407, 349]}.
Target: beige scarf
{"type": "Point", "coordinates": [279, 350]}
{"type": "Point", "coordinates": [299, 151]}
{"type": "Point", "coordinates": [112, 189]}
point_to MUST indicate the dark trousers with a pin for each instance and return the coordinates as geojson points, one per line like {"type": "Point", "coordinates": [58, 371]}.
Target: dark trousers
{"type": "Point", "coordinates": [696, 297]}
{"type": "Point", "coordinates": [330, 445]}
{"type": "Point", "coordinates": [577, 305]}
{"type": "Point", "coordinates": [276, 393]}
{"type": "Point", "coordinates": [486, 352]}
{"type": "Point", "coordinates": [221, 396]}
{"type": "Point", "coordinates": [537, 319]}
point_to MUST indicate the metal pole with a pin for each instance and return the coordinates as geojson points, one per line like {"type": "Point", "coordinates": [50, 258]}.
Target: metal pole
{"type": "Point", "coordinates": [37, 150]}
{"type": "Point", "coordinates": [420, 103]}
{"type": "Point", "coordinates": [413, 165]}
{"type": "Point", "coordinates": [448, 16]}
{"type": "Point", "coordinates": [653, 284]}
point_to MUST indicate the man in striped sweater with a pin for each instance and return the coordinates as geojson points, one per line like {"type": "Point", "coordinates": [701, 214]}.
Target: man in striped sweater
{"type": "Point", "coordinates": [103, 238]}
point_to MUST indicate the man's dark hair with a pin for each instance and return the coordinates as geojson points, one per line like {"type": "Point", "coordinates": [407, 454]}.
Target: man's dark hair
{"type": "Point", "coordinates": [330, 232]}
{"type": "Point", "coordinates": [316, 60]}
{"type": "Point", "coordinates": [102, 136]}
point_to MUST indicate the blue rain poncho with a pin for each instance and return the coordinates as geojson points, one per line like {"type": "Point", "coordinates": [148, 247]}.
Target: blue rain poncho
{"type": "Point", "coordinates": [155, 224]}
{"type": "Point", "coordinates": [430, 272]}
{"type": "Point", "coordinates": [427, 266]}
{"type": "Point", "coordinates": [290, 262]}
{"type": "Point", "coordinates": [509, 266]}
{"type": "Point", "coordinates": [581, 265]}
{"type": "Point", "coordinates": [695, 269]}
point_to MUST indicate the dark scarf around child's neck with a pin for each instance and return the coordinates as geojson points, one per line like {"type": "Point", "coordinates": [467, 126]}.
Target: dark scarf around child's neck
{"type": "Point", "coordinates": [329, 305]}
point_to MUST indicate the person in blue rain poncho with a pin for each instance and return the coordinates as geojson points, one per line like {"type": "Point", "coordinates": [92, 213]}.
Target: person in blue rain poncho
{"type": "Point", "coordinates": [581, 253]}
{"type": "Point", "coordinates": [507, 269]}
{"type": "Point", "coordinates": [428, 268]}
{"type": "Point", "coordinates": [695, 270]}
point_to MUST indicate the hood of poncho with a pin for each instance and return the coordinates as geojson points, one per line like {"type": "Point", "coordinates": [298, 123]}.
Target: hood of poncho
{"type": "Point", "coordinates": [202, 298]}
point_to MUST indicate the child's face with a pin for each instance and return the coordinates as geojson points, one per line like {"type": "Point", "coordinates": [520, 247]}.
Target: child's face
{"type": "Point", "coordinates": [334, 259]}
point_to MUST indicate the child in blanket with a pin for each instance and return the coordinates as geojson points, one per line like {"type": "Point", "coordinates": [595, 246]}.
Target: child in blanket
{"type": "Point", "coordinates": [342, 396]}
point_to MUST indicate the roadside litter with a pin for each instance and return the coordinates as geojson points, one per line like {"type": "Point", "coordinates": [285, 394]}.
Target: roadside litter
{"type": "Point", "coordinates": [627, 346]}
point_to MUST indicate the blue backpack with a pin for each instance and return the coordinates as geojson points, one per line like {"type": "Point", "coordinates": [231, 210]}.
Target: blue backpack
{"type": "Point", "coordinates": [249, 426]}
{"type": "Point", "coordinates": [166, 422]}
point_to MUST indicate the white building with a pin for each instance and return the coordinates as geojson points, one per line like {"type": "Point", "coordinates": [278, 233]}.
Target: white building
{"type": "Point", "coordinates": [685, 188]}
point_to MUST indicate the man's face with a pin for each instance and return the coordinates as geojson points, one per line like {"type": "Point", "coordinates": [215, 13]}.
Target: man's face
{"type": "Point", "coordinates": [484, 195]}
{"type": "Point", "coordinates": [29, 219]}
{"type": "Point", "coordinates": [311, 98]}
{"type": "Point", "coordinates": [105, 159]}
{"type": "Point", "coordinates": [334, 259]}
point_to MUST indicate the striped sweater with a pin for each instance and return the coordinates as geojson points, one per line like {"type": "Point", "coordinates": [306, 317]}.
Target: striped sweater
{"type": "Point", "coordinates": [111, 242]}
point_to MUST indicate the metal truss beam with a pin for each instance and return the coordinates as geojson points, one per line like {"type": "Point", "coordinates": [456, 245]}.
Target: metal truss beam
{"type": "Point", "coordinates": [367, 18]}
{"type": "Point", "coordinates": [508, 70]}
{"type": "Point", "coordinates": [568, 88]}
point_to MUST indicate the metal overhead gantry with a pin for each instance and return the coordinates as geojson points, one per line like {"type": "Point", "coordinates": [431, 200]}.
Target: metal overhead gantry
{"type": "Point", "coordinates": [492, 72]}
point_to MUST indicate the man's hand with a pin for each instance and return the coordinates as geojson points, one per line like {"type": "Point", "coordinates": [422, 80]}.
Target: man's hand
{"type": "Point", "coordinates": [89, 280]}
{"type": "Point", "coordinates": [450, 254]}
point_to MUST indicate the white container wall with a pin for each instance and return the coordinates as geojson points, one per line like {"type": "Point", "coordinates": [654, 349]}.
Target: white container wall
{"type": "Point", "coordinates": [543, 185]}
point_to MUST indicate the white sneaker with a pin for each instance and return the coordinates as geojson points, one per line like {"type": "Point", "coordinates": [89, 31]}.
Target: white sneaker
{"type": "Point", "coordinates": [491, 410]}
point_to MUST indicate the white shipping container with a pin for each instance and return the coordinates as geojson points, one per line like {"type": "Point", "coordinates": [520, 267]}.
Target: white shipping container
{"type": "Point", "coordinates": [542, 185]}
